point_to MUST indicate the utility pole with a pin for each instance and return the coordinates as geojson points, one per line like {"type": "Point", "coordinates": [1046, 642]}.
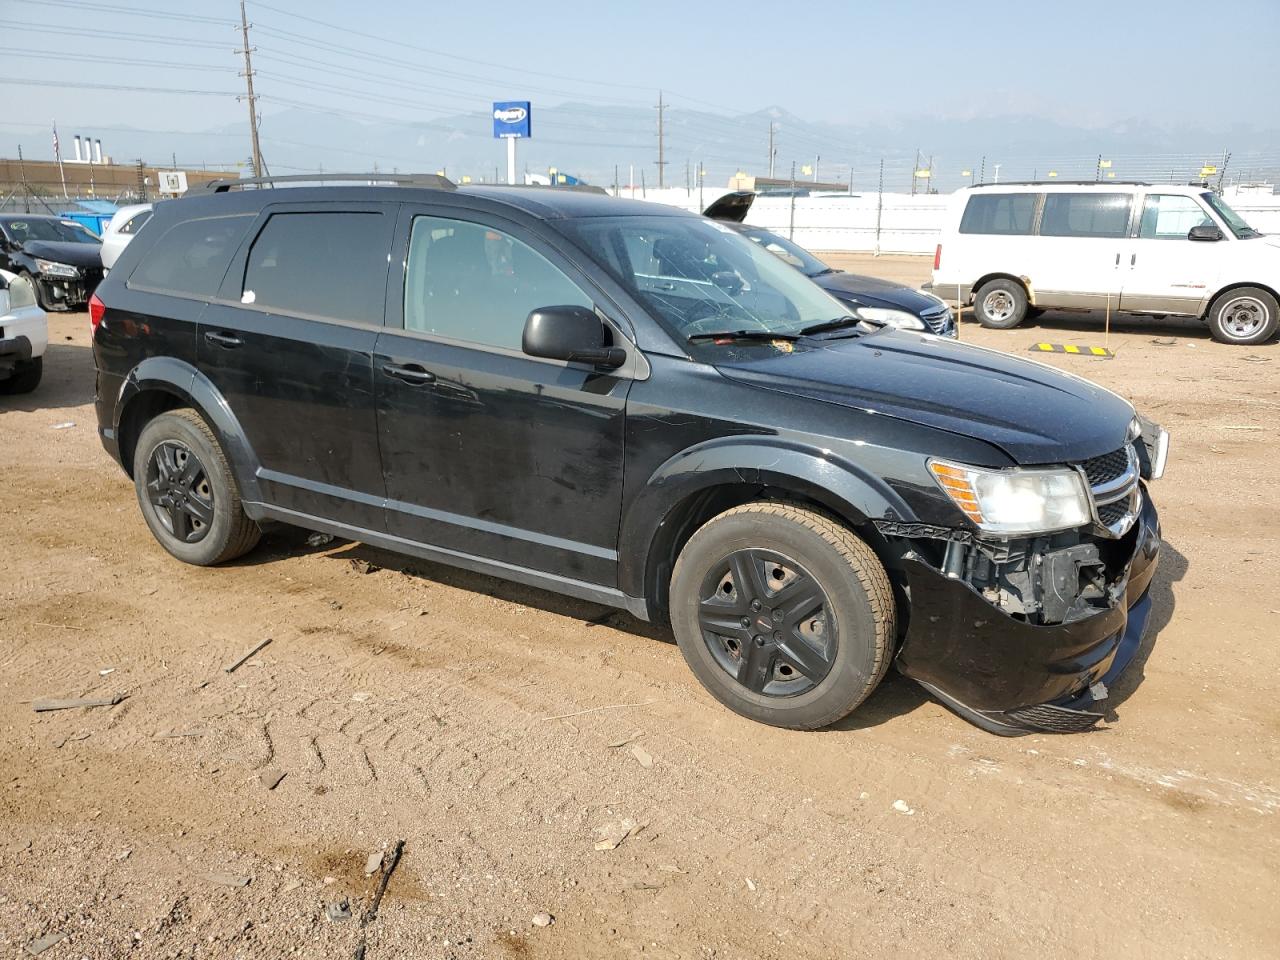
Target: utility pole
{"type": "Point", "coordinates": [22, 172]}
{"type": "Point", "coordinates": [816, 160]}
{"type": "Point", "coordinates": [915, 167]}
{"type": "Point", "coordinates": [791, 223]}
{"type": "Point", "coordinates": [773, 153]}
{"type": "Point", "coordinates": [249, 95]}
{"type": "Point", "coordinates": [662, 157]}
{"type": "Point", "coordinates": [688, 190]}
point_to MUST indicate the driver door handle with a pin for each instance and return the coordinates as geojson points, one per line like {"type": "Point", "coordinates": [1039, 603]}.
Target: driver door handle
{"type": "Point", "coordinates": [409, 372]}
{"type": "Point", "coordinates": [228, 340]}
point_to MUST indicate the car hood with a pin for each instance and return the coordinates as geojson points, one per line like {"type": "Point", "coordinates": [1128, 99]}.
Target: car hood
{"type": "Point", "coordinates": [76, 254]}
{"type": "Point", "coordinates": [1036, 414]}
{"type": "Point", "coordinates": [873, 292]}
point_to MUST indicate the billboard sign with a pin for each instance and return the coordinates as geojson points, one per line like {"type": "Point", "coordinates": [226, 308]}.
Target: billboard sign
{"type": "Point", "coordinates": [172, 181]}
{"type": "Point", "coordinates": [511, 119]}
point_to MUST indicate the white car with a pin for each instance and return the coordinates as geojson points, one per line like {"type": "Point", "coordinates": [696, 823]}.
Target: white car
{"type": "Point", "coordinates": [24, 335]}
{"type": "Point", "coordinates": [1015, 249]}
{"type": "Point", "coordinates": [124, 224]}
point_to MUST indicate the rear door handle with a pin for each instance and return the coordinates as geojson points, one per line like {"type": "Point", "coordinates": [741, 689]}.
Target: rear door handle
{"type": "Point", "coordinates": [409, 373]}
{"type": "Point", "coordinates": [1133, 259]}
{"type": "Point", "coordinates": [228, 340]}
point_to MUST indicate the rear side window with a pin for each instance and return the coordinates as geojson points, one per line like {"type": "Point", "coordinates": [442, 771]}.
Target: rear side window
{"type": "Point", "coordinates": [134, 224]}
{"type": "Point", "coordinates": [191, 257]}
{"type": "Point", "coordinates": [1086, 215]}
{"type": "Point", "coordinates": [324, 264]}
{"type": "Point", "coordinates": [1005, 214]}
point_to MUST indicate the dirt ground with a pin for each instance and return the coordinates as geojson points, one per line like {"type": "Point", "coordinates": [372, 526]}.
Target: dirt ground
{"type": "Point", "coordinates": [420, 703]}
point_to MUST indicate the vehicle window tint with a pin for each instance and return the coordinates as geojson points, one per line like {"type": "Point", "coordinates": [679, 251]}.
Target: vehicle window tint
{"type": "Point", "coordinates": [324, 264]}
{"type": "Point", "coordinates": [1169, 216]}
{"type": "Point", "coordinates": [1085, 215]}
{"type": "Point", "coordinates": [191, 258]}
{"type": "Point", "coordinates": [999, 213]}
{"type": "Point", "coordinates": [470, 282]}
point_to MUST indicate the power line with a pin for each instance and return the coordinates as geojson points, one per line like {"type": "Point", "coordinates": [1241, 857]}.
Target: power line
{"type": "Point", "coordinates": [114, 86]}
{"type": "Point", "coordinates": [112, 8]}
{"type": "Point", "coordinates": [117, 35]}
{"type": "Point", "coordinates": [61, 55]}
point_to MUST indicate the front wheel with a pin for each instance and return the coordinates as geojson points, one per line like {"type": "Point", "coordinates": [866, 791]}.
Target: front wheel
{"type": "Point", "coordinates": [1244, 316]}
{"type": "Point", "coordinates": [1000, 304]}
{"type": "Point", "coordinates": [187, 493]}
{"type": "Point", "coordinates": [25, 378]}
{"type": "Point", "coordinates": [41, 301]}
{"type": "Point", "coordinates": [784, 615]}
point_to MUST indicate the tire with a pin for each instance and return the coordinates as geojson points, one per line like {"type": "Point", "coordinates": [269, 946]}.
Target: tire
{"type": "Point", "coordinates": [1244, 316]}
{"type": "Point", "coordinates": [25, 378]}
{"type": "Point", "coordinates": [41, 302]}
{"type": "Point", "coordinates": [1000, 304]}
{"type": "Point", "coordinates": [202, 521]}
{"type": "Point", "coordinates": [825, 656]}
{"type": "Point", "coordinates": [1033, 312]}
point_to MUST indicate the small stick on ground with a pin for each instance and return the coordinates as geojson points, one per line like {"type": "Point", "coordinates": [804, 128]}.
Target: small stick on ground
{"type": "Point", "coordinates": [388, 864]}
{"type": "Point", "coordinates": [47, 703]}
{"type": "Point", "coordinates": [231, 667]}
{"type": "Point", "coordinates": [611, 706]}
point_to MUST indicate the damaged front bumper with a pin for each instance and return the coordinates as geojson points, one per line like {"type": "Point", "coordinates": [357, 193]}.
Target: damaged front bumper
{"type": "Point", "coordinates": [1010, 675]}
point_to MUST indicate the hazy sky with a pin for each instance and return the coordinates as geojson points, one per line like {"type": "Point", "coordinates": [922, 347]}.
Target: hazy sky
{"type": "Point", "coordinates": [1091, 64]}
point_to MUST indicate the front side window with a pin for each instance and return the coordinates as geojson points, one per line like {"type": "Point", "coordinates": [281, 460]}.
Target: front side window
{"type": "Point", "coordinates": [323, 264]}
{"type": "Point", "coordinates": [1002, 214]}
{"type": "Point", "coordinates": [466, 281]}
{"type": "Point", "coordinates": [1170, 216]}
{"type": "Point", "coordinates": [1097, 215]}
{"type": "Point", "coordinates": [191, 258]}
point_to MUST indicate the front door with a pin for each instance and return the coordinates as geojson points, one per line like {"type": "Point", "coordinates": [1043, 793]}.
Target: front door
{"type": "Point", "coordinates": [486, 451]}
{"type": "Point", "coordinates": [289, 345]}
{"type": "Point", "coordinates": [1165, 271]}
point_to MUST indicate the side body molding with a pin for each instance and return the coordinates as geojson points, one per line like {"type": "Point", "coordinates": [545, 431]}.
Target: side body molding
{"type": "Point", "coordinates": [820, 475]}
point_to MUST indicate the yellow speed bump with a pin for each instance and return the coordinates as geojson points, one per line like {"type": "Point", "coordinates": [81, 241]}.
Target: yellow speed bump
{"type": "Point", "coordinates": [1102, 352]}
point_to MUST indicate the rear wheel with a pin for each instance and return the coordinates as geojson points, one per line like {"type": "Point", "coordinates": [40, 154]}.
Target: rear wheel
{"type": "Point", "coordinates": [784, 615]}
{"type": "Point", "coordinates": [1244, 316]}
{"type": "Point", "coordinates": [25, 377]}
{"type": "Point", "coordinates": [187, 493]}
{"type": "Point", "coordinates": [1000, 304]}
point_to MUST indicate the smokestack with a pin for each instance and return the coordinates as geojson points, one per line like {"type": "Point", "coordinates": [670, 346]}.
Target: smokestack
{"type": "Point", "coordinates": [97, 151]}
{"type": "Point", "coordinates": [77, 148]}
{"type": "Point", "coordinates": [88, 149]}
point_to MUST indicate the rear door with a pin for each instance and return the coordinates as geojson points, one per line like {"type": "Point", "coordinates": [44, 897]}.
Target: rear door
{"type": "Point", "coordinates": [289, 344]}
{"type": "Point", "coordinates": [486, 451]}
{"type": "Point", "coordinates": [1083, 239]}
{"type": "Point", "coordinates": [1165, 272]}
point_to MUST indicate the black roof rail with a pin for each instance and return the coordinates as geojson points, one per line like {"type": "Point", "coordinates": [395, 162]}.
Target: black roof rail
{"type": "Point", "coordinates": [431, 180]}
{"type": "Point", "coordinates": [574, 187]}
{"type": "Point", "coordinates": [1069, 183]}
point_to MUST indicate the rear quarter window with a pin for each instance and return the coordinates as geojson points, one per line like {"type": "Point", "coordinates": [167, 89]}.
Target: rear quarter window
{"type": "Point", "coordinates": [1001, 214]}
{"type": "Point", "coordinates": [190, 258]}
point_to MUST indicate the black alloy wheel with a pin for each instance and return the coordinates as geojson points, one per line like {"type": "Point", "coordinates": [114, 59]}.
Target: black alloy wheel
{"type": "Point", "coordinates": [179, 488]}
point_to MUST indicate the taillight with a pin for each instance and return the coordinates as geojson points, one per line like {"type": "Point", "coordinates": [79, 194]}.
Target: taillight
{"type": "Point", "coordinates": [96, 310]}
{"type": "Point", "coordinates": [937, 256]}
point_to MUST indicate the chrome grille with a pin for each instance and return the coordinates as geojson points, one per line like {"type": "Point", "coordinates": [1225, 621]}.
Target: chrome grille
{"type": "Point", "coordinates": [1106, 467]}
{"type": "Point", "coordinates": [1114, 490]}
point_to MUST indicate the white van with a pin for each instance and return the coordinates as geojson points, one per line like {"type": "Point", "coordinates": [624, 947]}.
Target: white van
{"type": "Point", "coordinates": [1016, 249]}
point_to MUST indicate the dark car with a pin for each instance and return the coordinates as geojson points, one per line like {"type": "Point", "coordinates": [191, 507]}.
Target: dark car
{"type": "Point", "coordinates": [627, 403]}
{"type": "Point", "coordinates": [61, 259]}
{"type": "Point", "coordinates": [880, 302]}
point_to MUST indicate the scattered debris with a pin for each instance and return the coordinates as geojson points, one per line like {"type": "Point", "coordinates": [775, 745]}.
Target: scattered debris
{"type": "Point", "coordinates": [1229, 427]}
{"type": "Point", "coordinates": [634, 735]}
{"type": "Point", "coordinates": [1164, 341]}
{"type": "Point", "coordinates": [364, 566]}
{"type": "Point", "coordinates": [542, 919]}
{"type": "Point", "coordinates": [373, 864]}
{"type": "Point", "coordinates": [864, 795]}
{"type": "Point", "coordinates": [230, 668]}
{"type": "Point", "coordinates": [670, 868]}
{"type": "Point", "coordinates": [172, 734]}
{"type": "Point", "coordinates": [37, 947]}
{"type": "Point", "coordinates": [611, 834]}
{"type": "Point", "coordinates": [1254, 358]}
{"type": "Point", "coordinates": [338, 910]}
{"type": "Point", "coordinates": [751, 885]}
{"type": "Point", "coordinates": [66, 425]}
{"type": "Point", "coordinates": [291, 886]}
{"type": "Point", "coordinates": [335, 605]}
{"type": "Point", "coordinates": [599, 619]}
{"type": "Point", "coordinates": [642, 756]}
{"type": "Point", "coordinates": [227, 879]}
{"type": "Point", "coordinates": [44, 704]}
{"type": "Point", "coordinates": [901, 807]}
{"type": "Point", "coordinates": [82, 735]}
{"type": "Point", "coordinates": [63, 626]}
{"type": "Point", "coordinates": [611, 706]}
{"type": "Point", "coordinates": [271, 777]}
{"type": "Point", "coordinates": [106, 671]}
{"type": "Point", "coordinates": [361, 697]}
{"type": "Point", "coordinates": [387, 869]}
{"type": "Point", "coordinates": [319, 539]}
{"type": "Point", "coordinates": [123, 854]}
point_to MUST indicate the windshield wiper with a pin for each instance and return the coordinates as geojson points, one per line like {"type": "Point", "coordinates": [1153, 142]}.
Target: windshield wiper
{"type": "Point", "coordinates": [823, 272]}
{"type": "Point", "coordinates": [839, 323]}
{"type": "Point", "coordinates": [733, 335]}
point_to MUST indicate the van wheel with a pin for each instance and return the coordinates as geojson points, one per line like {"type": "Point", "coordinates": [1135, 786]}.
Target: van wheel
{"type": "Point", "coordinates": [1000, 304]}
{"type": "Point", "coordinates": [784, 615]}
{"type": "Point", "coordinates": [1244, 316]}
{"type": "Point", "coordinates": [187, 493]}
{"type": "Point", "coordinates": [25, 378]}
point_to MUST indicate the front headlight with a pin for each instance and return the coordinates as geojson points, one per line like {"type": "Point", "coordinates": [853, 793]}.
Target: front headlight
{"type": "Point", "coordinates": [51, 268]}
{"type": "Point", "coordinates": [900, 319]}
{"type": "Point", "coordinates": [1153, 448]}
{"type": "Point", "coordinates": [1019, 501]}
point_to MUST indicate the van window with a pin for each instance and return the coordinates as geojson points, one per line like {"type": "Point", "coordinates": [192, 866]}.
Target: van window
{"type": "Point", "coordinates": [1170, 216]}
{"type": "Point", "coordinates": [323, 264]}
{"type": "Point", "coordinates": [1006, 214]}
{"type": "Point", "coordinates": [469, 282]}
{"type": "Point", "coordinates": [191, 257]}
{"type": "Point", "coordinates": [1086, 215]}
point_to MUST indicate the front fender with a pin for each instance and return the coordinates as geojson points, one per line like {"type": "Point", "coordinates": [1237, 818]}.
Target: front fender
{"type": "Point", "coordinates": [820, 475]}
{"type": "Point", "coordinates": [183, 381]}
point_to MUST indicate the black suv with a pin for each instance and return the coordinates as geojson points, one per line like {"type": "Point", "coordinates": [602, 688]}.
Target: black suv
{"type": "Point", "coordinates": [635, 405]}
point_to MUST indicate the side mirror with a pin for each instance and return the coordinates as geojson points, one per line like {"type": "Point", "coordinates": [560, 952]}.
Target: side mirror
{"type": "Point", "coordinates": [1206, 231]}
{"type": "Point", "coordinates": [570, 333]}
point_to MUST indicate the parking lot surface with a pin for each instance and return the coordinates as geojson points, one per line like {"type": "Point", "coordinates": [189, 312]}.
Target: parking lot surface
{"type": "Point", "coordinates": [509, 736]}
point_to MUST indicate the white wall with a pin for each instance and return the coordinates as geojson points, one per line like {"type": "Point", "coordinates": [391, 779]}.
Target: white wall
{"type": "Point", "coordinates": [907, 224]}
